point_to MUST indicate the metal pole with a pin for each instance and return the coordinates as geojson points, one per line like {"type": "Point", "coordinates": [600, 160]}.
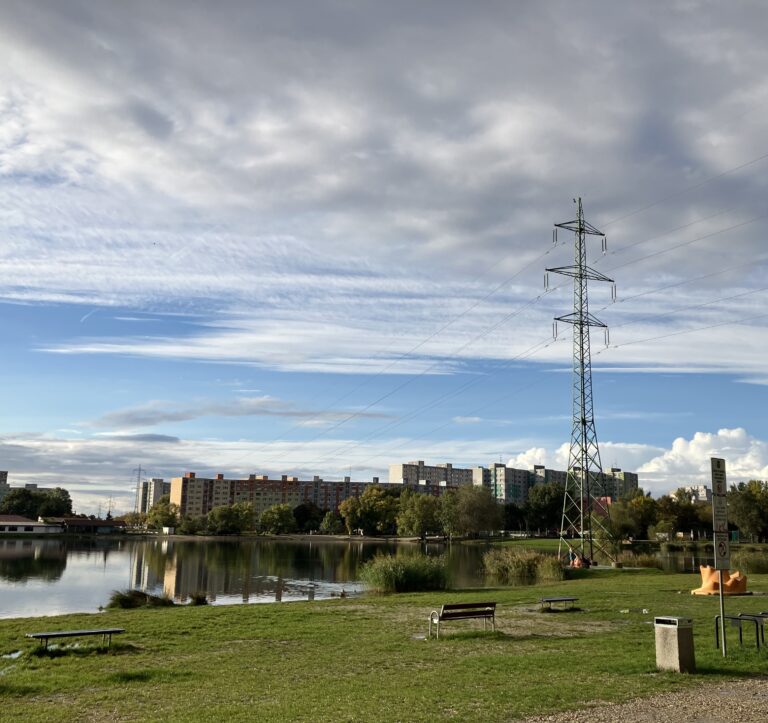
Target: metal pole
{"type": "Point", "coordinates": [722, 612]}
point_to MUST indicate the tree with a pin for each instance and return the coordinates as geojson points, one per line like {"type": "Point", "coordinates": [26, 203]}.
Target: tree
{"type": "Point", "coordinates": [134, 519]}
{"type": "Point", "coordinates": [748, 508]}
{"type": "Point", "coordinates": [514, 516]}
{"type": "Point", "coordinates": [56, 503]}
{"type": "Point", "coordinates": [192, 525]}
{"type": "Point", "coordinates": [308, 516]}
{"type": "Point", "coordinates": [470, 510]}
{"type": "Point", "coordinates": [331, 524]}
{"type": "Point", "coordinates": [418, 514]}
{"type": "Point", "coordinates": [163, 514]}
{"type": "Point", "coordinates": [277, 520]}
{"type": "Point", "coordinates": [544, 508]}
{"type": "Point", "coordinates": [374, 511]}
{"type": "Point", "coordinates": [22, 502]}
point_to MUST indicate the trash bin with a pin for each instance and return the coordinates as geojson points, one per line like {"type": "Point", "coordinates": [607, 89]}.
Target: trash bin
{"type": "Point", "coordinates": [674, 644]}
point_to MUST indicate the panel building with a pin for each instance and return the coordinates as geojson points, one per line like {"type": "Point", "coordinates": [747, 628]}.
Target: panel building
{"type": "Point", "coordinates": [415, 473]}
{"type": "Point", "coordinates": [196, 496]}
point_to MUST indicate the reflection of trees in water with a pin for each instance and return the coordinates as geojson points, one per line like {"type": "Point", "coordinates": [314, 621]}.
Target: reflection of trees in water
{"type": "Point", "coordinates": [271, 568]}
{"type": "Point", "coordinates": [21, 560]}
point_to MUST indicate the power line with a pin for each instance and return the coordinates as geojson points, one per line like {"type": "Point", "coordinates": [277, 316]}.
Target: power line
{"type": "Point", "coordinates": [687, 189]}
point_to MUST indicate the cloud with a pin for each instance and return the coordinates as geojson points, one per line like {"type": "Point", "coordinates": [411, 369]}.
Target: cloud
{"type": "Point", "coordinates": [157, 412]}
{"type": "Point", "coordinates": [688, 460]}
{"type": "Point", "coordinates": [467, 420]}
{"type": "Point", "coordinates": [360, 208]}
{"type": "Point", "coordinates": [147, 438]}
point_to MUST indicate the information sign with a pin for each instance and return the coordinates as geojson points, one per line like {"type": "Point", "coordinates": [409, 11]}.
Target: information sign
{"type": "Point", "coordinates": [720, 514]}
{"type": "Point", "coordinates": [719, 486]}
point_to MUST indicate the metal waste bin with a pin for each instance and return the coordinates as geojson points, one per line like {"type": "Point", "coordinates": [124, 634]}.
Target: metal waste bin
{"type": "Point", "coordinates": [674, 644]}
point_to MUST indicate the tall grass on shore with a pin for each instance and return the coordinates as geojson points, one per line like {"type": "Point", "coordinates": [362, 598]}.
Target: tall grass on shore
{"type": "Point", "coordinates": [750, 563]}
{"type": "Point", "coordinates": [404, 573]}
{"type": "Point", "coordinates": [639, 559]}
{"type": "Point", "coordinates": [126, 599]}
{"type": "Point", "coordinates": [510, 565]}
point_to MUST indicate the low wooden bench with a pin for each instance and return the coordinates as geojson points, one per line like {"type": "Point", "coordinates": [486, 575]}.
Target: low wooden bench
{"type": "Point", "coordinates": [106, 635]}
{"type": "Point", "coordinates": [566, 602]}
{"type": "Point", "coordinates": [463, 611]}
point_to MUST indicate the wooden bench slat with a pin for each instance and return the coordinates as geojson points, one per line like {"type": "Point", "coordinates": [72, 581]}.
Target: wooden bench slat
{"type": "Point", "coordinates": [463, 611]}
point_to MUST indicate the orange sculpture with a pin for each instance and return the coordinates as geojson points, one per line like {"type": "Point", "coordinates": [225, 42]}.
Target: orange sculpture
{"type": "Point", "coordinates": [733, 584]}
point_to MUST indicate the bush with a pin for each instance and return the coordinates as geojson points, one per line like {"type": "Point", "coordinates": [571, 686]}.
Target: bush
{"type": "Point", "coordinates": [127, 599]}
{"type": "Point", "coordinates": [750, 563]}
{"type": "Point", "coordinates": [198, 598]}
{"type": "Point", "coordinates": [404, 573]}
{"type": "Point", "coordinates": [509, 565]}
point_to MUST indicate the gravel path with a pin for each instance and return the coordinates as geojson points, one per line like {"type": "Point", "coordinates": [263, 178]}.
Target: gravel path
{"type": "Point", "coordinates": [744, 701]}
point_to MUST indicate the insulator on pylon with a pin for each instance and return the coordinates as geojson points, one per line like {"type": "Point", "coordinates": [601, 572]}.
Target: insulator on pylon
{"type": "Point", "coordinates": [607, 337]}
{"type": "Point", "coordinates": [614, 292]}
{"type": "Point", "coordinates": [605, 245]}
{"type": "Point", "coordinates": [554, 330]}
{"type": "Point", "coordinates": [554, 236]}
{"type": "Point", "coordinates": [546, 282]}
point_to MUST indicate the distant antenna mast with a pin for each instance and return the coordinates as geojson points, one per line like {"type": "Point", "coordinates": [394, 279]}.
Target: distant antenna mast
{"type": "Point", "coordinates": [584, 509]}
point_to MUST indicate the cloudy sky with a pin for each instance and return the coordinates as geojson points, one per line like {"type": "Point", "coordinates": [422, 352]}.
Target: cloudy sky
{"type": "Point", "coordinates": [310, 237]}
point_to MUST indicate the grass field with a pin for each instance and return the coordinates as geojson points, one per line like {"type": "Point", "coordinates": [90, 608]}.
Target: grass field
{"type": "Point", "coordinates": [366, 659]}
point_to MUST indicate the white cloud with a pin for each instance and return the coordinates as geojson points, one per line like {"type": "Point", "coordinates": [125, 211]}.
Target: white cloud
{"type": "Point", "coordinates": [351, 208]}
{"type": "Point", "coordinates": [688, 460]}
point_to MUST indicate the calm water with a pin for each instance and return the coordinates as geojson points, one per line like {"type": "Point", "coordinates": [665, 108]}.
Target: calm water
{"type": "Point", "coordinates": [50, 577]}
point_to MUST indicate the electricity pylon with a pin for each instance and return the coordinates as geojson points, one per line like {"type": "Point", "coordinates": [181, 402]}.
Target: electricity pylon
{"type": "Point", "coordinates": [585, 513]}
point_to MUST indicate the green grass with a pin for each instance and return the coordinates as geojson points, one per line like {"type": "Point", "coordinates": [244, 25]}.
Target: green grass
{"type": "Point", "coordinates": [366, 659]}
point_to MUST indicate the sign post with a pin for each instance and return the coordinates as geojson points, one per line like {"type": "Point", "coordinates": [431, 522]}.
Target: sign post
{"type": "Point", "coordinates": [720, 530]}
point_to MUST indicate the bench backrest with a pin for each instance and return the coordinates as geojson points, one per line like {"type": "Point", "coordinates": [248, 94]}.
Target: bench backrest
{"type": "Point", "coordinates": [468, 607]}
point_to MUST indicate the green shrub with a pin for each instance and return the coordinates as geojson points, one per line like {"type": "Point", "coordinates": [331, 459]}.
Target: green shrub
{"type": "Point", "coordinates": [509, 565]}
{"type": "Point", "coordinates": [750, 563]}
{"type": "Point", "coordinates": [198, 598]}
{"type": "Point", "coordinates": [404, 573]}
{"type": "Point", "coordinates": [127, 599]}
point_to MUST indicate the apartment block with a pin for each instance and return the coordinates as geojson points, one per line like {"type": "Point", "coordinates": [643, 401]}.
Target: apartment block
{"type": "Point", "coordinates": [415, 473]}
{"type": "Point", "coordinates": [508, 484]}
{"type": "Point", "coordinates": [196, 496]}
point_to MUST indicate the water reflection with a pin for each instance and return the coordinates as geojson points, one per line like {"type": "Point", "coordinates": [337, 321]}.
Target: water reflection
{"type": "Point", "coordinates": [249, 570]}
{"type": "Point", "coordinates": [21, 560]}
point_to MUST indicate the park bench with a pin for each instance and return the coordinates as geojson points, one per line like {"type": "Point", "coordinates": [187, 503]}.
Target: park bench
{"type": "Point", "coordinates": [566, 602]}
{"type": "Point", "coordinates": [463, 611]}
{"type": "Point", "coordinates": [106, 635]}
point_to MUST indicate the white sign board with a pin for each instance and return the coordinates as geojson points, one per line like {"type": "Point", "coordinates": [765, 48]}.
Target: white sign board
{"type": "Point", "coordinates": [720, 514]}
{"type": "Point", "coordinates": [719, 485]}
{"type": "Point", "coordinates": [722, 551]}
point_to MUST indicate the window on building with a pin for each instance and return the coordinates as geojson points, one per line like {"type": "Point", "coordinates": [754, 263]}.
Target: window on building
{"type": "Point", "coordinates": [29, 528]}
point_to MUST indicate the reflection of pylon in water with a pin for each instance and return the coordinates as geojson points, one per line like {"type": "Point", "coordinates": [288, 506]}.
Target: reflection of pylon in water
{"type": "Point", "coordinates": [585, 512]}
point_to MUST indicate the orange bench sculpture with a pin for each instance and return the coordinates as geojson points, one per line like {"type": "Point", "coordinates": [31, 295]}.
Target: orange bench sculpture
{"type": "Point", "coordinates": [733, 584]}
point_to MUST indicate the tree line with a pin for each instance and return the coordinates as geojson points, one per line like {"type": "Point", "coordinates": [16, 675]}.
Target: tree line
{"type": "Point", "coordinates": [37, 503]}
{"type": "Point", "coordinates": [470, 511]}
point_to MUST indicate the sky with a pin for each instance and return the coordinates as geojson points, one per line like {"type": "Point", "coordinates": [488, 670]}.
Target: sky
{"type": "Point", "coordinates": [311, 237]}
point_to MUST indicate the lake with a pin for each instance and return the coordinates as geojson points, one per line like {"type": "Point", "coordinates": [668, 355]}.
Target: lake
{"type": "Point", "coordinates": [52, 577]}
{"type": "Point", "coordinates": [56, 576]}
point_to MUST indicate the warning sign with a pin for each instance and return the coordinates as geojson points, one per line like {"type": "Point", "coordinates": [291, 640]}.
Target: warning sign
{"type": "Point", "coordinates": [722, 551]}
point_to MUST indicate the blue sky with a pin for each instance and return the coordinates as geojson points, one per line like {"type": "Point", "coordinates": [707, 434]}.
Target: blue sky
{"type": "Point", "coordinates": [311, 238]}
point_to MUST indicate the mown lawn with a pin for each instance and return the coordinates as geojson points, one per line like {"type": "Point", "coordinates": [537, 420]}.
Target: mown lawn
{"type": "Point", "coordinates": [365, 659]}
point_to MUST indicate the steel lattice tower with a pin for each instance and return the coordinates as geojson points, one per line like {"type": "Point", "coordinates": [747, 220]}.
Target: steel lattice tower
{"type": "Point", "coordinates": [584, 511]}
